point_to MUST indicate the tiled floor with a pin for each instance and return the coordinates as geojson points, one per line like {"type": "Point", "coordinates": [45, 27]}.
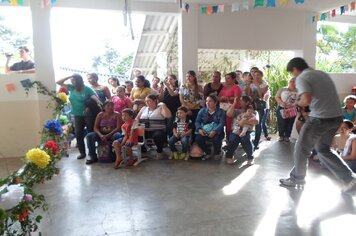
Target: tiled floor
{"type": "Point", "coordinates": [195, 198]}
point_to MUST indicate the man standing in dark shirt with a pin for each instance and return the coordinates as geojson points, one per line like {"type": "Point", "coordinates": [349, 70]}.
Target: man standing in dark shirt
{"type": "Point", "coordinates": [23, 67]}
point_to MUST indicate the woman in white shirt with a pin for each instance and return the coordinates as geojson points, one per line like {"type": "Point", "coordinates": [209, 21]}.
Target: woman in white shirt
{"type": "Point", "coordinates": [154, 115]}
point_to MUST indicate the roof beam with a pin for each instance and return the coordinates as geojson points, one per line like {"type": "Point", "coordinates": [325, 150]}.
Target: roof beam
{"type": "Point", "coordinates": [154, 32]}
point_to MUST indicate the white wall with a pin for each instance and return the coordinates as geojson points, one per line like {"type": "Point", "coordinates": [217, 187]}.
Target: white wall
{"type": "Point", "coordinates": [344, 83]}
{"type": "Point", "coordinates": [259, 29]}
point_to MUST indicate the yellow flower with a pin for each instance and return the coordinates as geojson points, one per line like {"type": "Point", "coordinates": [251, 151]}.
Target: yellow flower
{"type": "Point", "coordinates": [63, 97]}
{"type": "Point", "coordinates": [38, 157]}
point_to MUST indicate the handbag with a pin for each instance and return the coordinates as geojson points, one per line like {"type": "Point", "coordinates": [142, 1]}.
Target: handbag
{"type": "Point", "coordinates": [260, 104]}
{"type": "Point", "coordinates": [287, 113]}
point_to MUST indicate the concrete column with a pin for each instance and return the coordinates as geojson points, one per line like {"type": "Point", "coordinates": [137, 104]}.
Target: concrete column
{"type": "Point", "coordinates": [188, 41]}
{"type": "Point", "coordinates": [42, 42]}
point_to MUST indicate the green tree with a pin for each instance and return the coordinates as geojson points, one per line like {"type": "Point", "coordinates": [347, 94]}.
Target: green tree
{"type": "Point", "coordinates": [336, 49]}
{"type": "Point", "coordinates": [10, 39]}
{"type": "Point", "coordinates": [124, 64]}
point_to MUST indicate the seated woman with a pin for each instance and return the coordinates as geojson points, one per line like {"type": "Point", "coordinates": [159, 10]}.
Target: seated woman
{"type": "Point", "coordinates": [153, 115]}
{"type": "Point", "coordinates": [106, 128]}
{"type": "Point", "coordinates": [234, 139]}
{"type": "Point", "coordinates": [210, 127]}
{"type": "Point", "coordinates": [349, 152]}
{"type": "Point", "coordinates": [343, 135]}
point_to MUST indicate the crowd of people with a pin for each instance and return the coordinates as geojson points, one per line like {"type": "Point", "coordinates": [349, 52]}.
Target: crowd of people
{"type": "Point", "coordinates": [202, 117]}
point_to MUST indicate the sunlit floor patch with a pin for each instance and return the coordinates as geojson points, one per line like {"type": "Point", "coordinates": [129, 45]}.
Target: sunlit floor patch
{"type": "Point", "coordinates": [342, 225]}
{"type": "Point", "coordinates": [240, 181]}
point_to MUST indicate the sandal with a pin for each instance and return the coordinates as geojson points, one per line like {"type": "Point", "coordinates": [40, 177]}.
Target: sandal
{"type": "Point", "coordinates": [120, 164]}
{"type": "Point", "coordinates": [131, 161]}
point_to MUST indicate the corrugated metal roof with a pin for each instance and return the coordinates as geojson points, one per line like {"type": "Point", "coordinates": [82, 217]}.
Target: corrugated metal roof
{"type": "Point", "coordinates": [158, 32]}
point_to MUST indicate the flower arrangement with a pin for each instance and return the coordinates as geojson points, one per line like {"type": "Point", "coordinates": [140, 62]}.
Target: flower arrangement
{"type": "Point", "coordinates": [19, 203]}
{"type": "Point", "coordinates": [38, 157]}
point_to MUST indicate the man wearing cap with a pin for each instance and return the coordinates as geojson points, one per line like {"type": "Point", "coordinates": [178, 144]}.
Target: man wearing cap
{"type": "Point", "coordinates": [25, 66]}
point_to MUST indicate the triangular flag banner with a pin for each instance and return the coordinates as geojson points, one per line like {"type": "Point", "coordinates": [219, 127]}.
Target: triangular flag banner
{"type": "Point", "coordinates": [244, 6]}
{"type": "Point", "coordinates": [186, 7]}
{"type": "Point", "coordinates": [342, 10]}
{"type": "Point", "coordinates": [234, 7]}
{"type": "Point", "coordinates": [221, 8]}
{"type": "Point", "coordinates": [327, 15]}
{"type": "Point", "coordinates": [259, 3]}
{"type": "Point", "coordinates": [346, 7]}
{"type": "Point", "coordinates": [299, 1]}
{"type": "Point", "coordinates": [333, 13]}
{"type": "Point", "coordinates": [53, 2]}
{"type": "Point", "coordinates": [10, 87]}
{"type": "Point", "coordinates": [209, 10]}
{"type": "Point", "coordinates": [271, 3]}
{"type": "Point", "coordinates": [283, 2]}
{"type": "Point", "coordinates": [322, 17]}
{"type": "Point", "coordinates": [13, 2]}
{"type": "Point", "coordinates": [20, 2]}
{"type": "Point", "coordinates": [317, 18]}
{"type": "Point", "coordinates": [215, 9]}
{"type": "Point", "coordinates": [353, 6]}
{"type": "Point", "coordinates": [203, 10]}
{"type": "Point", "coordinates": [313, 18]}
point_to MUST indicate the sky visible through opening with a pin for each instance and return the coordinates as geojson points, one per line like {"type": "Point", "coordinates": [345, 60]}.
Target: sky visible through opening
{"type": "Point", "coordinates": [78, 35]}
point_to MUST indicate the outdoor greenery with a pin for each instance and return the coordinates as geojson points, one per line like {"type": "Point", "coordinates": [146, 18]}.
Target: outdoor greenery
{"type": "Point", "coordinates": [20, 204]}
{"type": "Point", "coordinates": [113, 61]}
{"type": "Point", "coordinates": [336, 49]}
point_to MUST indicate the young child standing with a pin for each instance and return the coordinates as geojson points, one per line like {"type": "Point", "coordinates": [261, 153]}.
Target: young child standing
{"type": "Point", "coordinates": [250, 114]}
{"type": "Point", "coordinates": [130, 139]}
{"type": "Point", "coordinates": [120, 100]}
{"type": "Point", "coordinates": [182, 130]}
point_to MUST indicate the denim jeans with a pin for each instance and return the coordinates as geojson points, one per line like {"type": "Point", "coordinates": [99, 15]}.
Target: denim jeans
{"type": "Point", "coordinates": [285, 126]}
{"type": "Point", "coordinates": [258, 127]}
{"type": "Point", "coordinates": [319, 133]}
{"type": "Point", "coordinates": [184, 140]}
{"type": "Point", "coordinates": [264, 122]}
{"type": "Point", "coordinates": [234, 141]}
{"type": "Point", "coordinates": [216, 140]}
{"type": "Point", "coordinates": [92, 138]}
{"type": "Point", "coordinates": [80, 122]}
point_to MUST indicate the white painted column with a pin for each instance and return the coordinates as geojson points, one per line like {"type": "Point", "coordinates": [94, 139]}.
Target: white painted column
{"type": "Point", "coordinates": [42, 43]}
{"type": "Point", "coordinates": [188, 41]}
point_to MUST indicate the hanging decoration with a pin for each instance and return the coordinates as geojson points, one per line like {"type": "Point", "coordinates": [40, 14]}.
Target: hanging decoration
{"type": "Point", "coordinates": [186, 7]}
{"type": "Point", "coordinates": [209, 10]}
{"type": "Point", "coordinates": [271, 3]}
{"type": "Point", "coordinates": [283, 2]}
{"type": "Point", "coordinates": [259, 3]}
{"type": "Point", "coordinates": [299, 1]}
{"type": "Point", "coordinates": [332, 13]}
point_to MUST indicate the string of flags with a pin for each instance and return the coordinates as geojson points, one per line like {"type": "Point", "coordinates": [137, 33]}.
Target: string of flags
{"type": "Point", "coordinates": [330, 14]}
{"type": "Point", "coordinates": [45, 3]}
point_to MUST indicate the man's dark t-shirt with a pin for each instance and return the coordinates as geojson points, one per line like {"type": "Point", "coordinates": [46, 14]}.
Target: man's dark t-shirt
{"type": "Point", "coordinates": [22, 66]}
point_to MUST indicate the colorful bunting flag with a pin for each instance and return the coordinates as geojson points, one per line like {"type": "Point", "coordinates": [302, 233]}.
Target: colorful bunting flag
{"type": "Point", "coordinates": [244, 5]}
{"type": "Point", "coordinates": [53, 2]}
{"type": "Point", "coordinates": [215, 9]}
{"type": "Point", "coordinates": [271, 3]}
{"type": "Point", "coordinates": [342, 10]}
{"type": "Point", "coordinates": [13, 2]}
{"type": "Point", "coordinates": [209, 10]}
{"type": "Point", "coordinates": [333, 13]}
{"type": "Point", "coordinates": [221, 8]}
{"type": "Point", "coordinates": [203, 10]}
{"type": "Point", "coordinates": [283, 2]}
{"type": "Point", "coordinates": [299, 1]}
{"type": "Point", "coordinates": [352, 5]}
{"type": "Point", "coordinates": [235, 7]}
{"type": "Point", "coordinates": [313, 18]}
{"type": "Point", "coordinates": [346, 7]}
{"type": "Point", "coordinates": [322, 17]}
{"type": "Point", "coordinates": [186, 7]}
{"type": "Point", "coordinates": [259, 3]}
{"type": "Point", "coordinates": [20, 2]}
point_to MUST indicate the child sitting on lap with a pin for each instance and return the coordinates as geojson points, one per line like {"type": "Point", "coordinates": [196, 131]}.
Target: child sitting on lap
{"type": "Point", "coordinates": [250, 114]}
{"type": "Point", "coordinates": [182, 130]}
{"type": "Point", "coordinates": [130, 139]}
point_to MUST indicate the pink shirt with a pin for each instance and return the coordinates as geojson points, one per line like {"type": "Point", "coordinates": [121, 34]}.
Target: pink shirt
{"type": "Point", "coordinates": [233, 91]}
{"type": "Point", "coordinates": [120, 103]}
